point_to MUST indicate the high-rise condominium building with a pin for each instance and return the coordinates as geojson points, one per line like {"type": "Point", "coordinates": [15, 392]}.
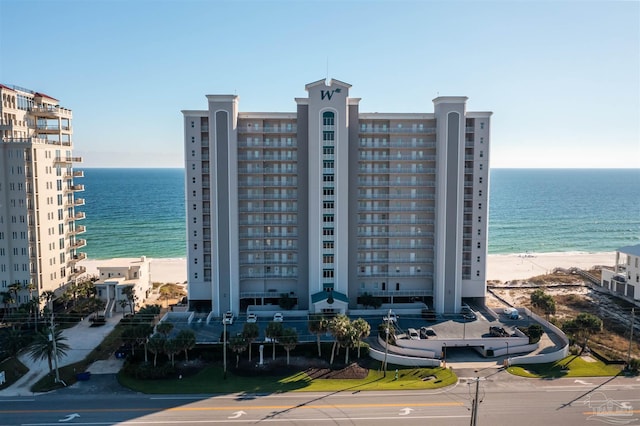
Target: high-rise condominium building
{"type": "Point", "coordinates": [326, 204]}
{"type": "Point", "coordinates": [38, 231]}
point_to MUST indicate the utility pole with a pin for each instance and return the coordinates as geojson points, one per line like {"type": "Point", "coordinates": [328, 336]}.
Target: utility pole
{"type": "Point", "coordinates": [474, 405]}
{"type": "Point", "coordinates": [386, 343]}
{"type": "Point", "coordinates": [52, 336]}
{"type": "Point", "coordinates": [633, 314]}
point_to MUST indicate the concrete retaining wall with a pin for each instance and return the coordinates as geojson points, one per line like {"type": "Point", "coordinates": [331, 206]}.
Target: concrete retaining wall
{"type": "Point", "coordinates": [542, 358]}
{"type": "Point", "coordinates": [403, 360]}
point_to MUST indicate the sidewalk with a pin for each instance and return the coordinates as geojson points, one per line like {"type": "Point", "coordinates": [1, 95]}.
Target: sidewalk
{"type": "Point", "coordinates": [81, 338]}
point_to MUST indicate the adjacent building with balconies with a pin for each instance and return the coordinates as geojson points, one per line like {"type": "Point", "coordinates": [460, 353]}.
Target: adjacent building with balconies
{"type": "Point", "coordinates": [328, 204]}
{"type": "Point", "coordinates": [39, 237]}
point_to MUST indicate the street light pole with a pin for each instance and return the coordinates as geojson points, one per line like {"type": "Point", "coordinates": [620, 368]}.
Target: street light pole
{"type": "Point", "coordinates": [507, 353]}
{"type": "Point", "coordinates": [386, 342]}
{"type": "Point", "coordinates": [224, 347]}
{"type": "Point", "coordinates": [444, 353]}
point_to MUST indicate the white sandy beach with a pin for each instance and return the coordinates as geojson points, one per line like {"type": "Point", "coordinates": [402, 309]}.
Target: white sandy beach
{"type": "Point", "coordinates": [502, 267]}
{"type": "Point", "coordinates": [508, 267]}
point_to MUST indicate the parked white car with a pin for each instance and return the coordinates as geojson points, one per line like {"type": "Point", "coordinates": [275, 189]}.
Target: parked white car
{"type": "Point", "coordinates": [252, 318]}
{"type": "Point", "coordinates": [278, 317]}
{"type": "Point", "coordinates": [228, 318]}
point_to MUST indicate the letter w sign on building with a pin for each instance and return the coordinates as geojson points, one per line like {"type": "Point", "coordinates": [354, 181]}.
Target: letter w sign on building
{"type": "Point", "coordinates": [328, 93]}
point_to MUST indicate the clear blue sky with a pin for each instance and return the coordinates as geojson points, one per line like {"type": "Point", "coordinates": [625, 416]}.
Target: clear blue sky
{"type": "Point", "coordinates": [562, 77]}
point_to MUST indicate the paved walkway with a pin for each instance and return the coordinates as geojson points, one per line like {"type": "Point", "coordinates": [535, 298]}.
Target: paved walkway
{"type": "Point", "coordinates": [81, 338]}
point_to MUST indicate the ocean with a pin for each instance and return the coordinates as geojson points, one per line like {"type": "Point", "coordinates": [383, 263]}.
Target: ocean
{"type": "Point", "coordinates": [136, 212]}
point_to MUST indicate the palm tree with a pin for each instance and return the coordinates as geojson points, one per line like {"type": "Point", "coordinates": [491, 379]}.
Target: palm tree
{"type": "Point", "coordinates": [156, 345]}
{"type": "Point", "coordinates": [251, 332]}
{"type": "Point", "coordinates": [42, 346]}
{"type": "Point", "coordinates": [238, 345]}
{"type": "Point", "coordinates": [363, 329]}
{"type": "Point", "coordinates": [171, 348]}
{"type": "Point", "coordinates": [141, 334]}
{"type": "Point", "coordinates": [273, 332]}
{"type": "Point", "coordinates": [130, 293]}
{"type": "Point", "coordinates": [187, 339]}
{"type": "Point", "coordinates": [318, 325]}
{"type": "Point", "coordinates": [164, 328]}
{"type": "Point", "coordinates": [289, 340]}
{"type": "Point", "coordinates": [338, 327]}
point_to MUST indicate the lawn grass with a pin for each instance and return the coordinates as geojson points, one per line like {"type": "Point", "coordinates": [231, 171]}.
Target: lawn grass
{"type": "Point", "coordinates": [211, 380]}
{"type": "Point", "coordinates": [13, 370]}
{"type": "Point", "coordinates": [68, 373]}
{"type": "Point", "coordinates": [571, 366]}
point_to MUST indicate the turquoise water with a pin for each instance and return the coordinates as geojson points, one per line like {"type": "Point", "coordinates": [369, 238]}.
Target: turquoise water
{"type": "Point", "coordinates": [135, 212]}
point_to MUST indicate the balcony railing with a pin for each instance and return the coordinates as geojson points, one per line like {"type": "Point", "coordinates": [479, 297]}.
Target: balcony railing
{"type": "Point", "coordinates": [50, 110]}
{"type": "Point", "coordinates": [268, 144]}
{"type": "Point", "coordinates": [407, 143]}
{"type": "Point", "coordinates": [78, 244]}
{"type": "Point", "coordinates": [397, 293]}
{"type": "Point", "coordinates": [267, 170]}
{"type": "Point", "coordinates": [397, 130]}
{"type": "Point", "coordinates": [267, 196]}
{"type": "Point", "coordinates": [392, 275]}
{"type": "Point", "coordinates": [271, 262]}
{"type": "Point", "coordinates": [267, 183]}
{"type": "Point", "coordinates": [416, 196]}
{"type": "Point", "coordinates": [268, 235]}
{"type": "Point", "coordinates": [268, 275]}
{"type": "Point", "coordinates": [397, 182]}
{"type": "Point", "coordinates": [261, 248]}
{"type": "Point", "coordinates": [67, 159]}
{"type": "Point", "coordinates": [78, 270]}
{"type": "Point", "coordinates": [263, 209]}
{"type": "Point", "coordinates": [387, 170]}
{"type": "Point", "coordinates": [78, 257]}
{"type": "Point", "coordinates": [267, 129]}
{"type": "Point", "coordinates": [384, 209]}
{"type": "Point", "coordinates": [386, 234]}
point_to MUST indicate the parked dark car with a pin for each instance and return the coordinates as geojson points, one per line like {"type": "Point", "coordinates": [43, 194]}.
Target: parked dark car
{"type": "Point", "coordinates": [498, 332]}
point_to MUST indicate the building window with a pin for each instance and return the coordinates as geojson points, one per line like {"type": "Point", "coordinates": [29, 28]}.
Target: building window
{"type": "Point", "coordinates": [328, 118]}
{"type": "Point", "coordinates": [479, 245]}
{"type": "Point", "coordinates": [482, 125]}
{"type": "Point", "coordinates": [477, 273]}
{"type": "Point", "coordinates": [327, 218]}
{"type": "Point", "coordinates": [328, 136]}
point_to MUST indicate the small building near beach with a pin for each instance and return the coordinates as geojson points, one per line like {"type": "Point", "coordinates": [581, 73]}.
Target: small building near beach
{"type": "Point", "coordinates": [624, 279]}
{"type": "Point", "coordinates": [116, 277]}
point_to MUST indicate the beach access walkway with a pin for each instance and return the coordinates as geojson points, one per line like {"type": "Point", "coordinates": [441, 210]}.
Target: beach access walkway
{"type": "Point", "coordinates": [82, 339]}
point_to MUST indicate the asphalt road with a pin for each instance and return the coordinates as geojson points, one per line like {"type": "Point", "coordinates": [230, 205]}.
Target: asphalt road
{"type": "Point", "coordinates": [505, 400]}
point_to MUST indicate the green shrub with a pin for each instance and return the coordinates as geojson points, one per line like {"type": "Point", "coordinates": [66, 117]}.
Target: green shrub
{"type": "Point", "coordinates": [146, 371]}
